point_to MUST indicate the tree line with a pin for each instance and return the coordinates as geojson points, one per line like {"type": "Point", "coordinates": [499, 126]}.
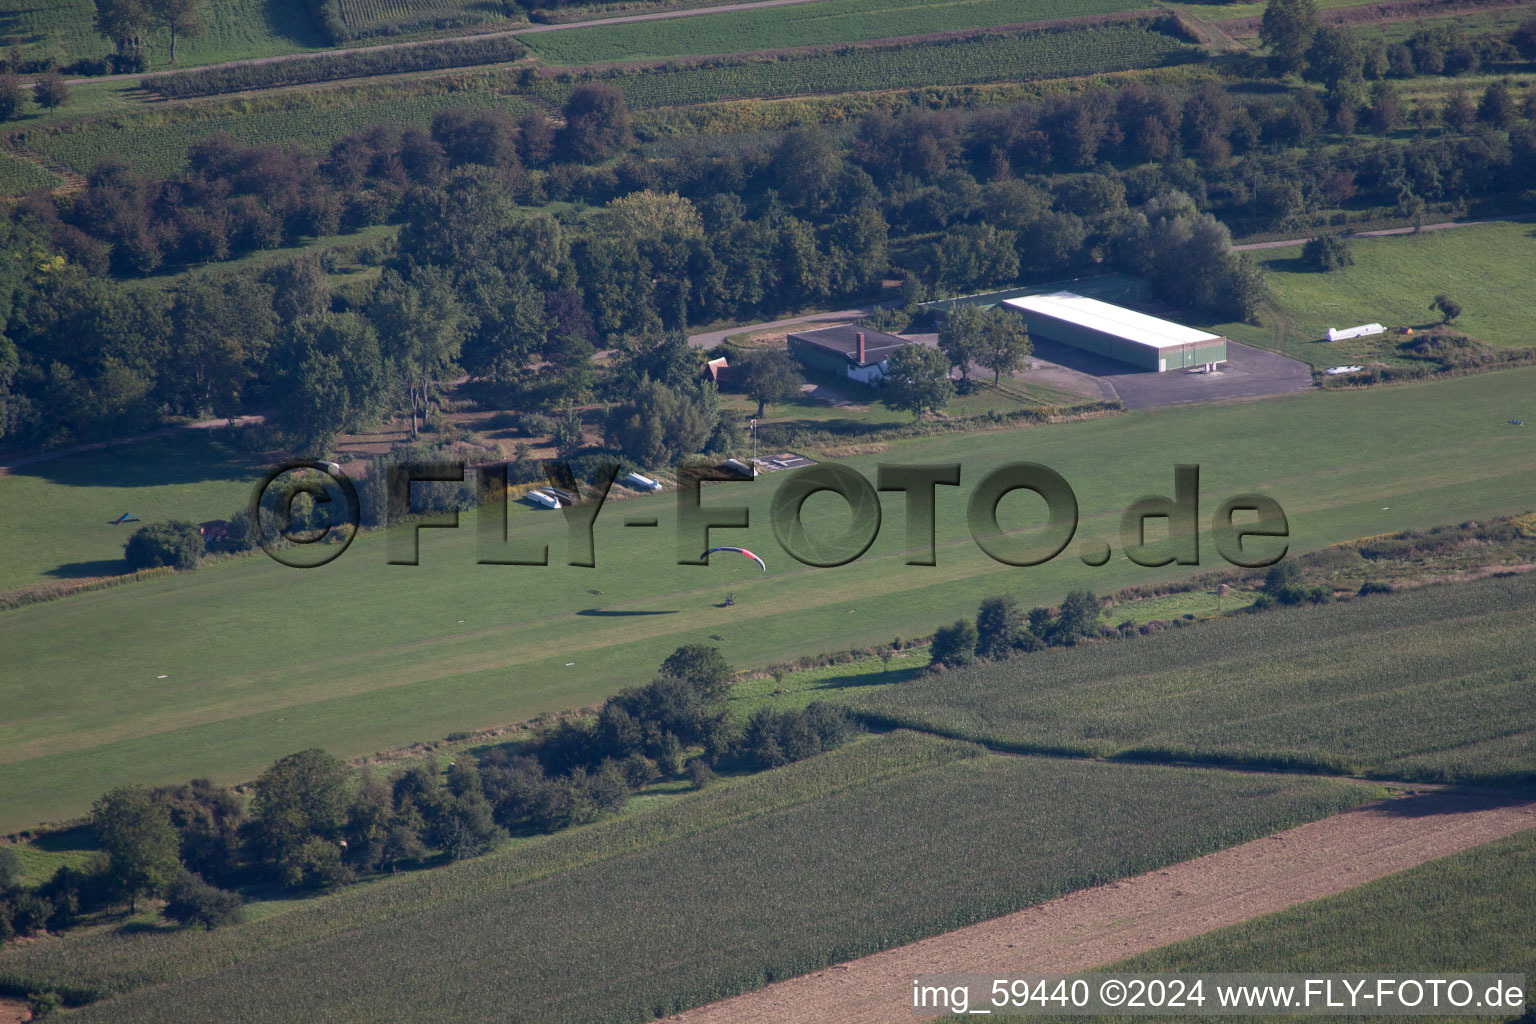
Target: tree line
{"type": "Point", "coordinates": [1131, 179]}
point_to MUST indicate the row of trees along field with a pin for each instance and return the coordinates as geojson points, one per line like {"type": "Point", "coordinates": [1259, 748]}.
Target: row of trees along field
{"type": "Point", "coordinates": [128, 23]}
{"type": "Point", "coordinates": [1127, 179]}
{"type": "Point", "coordinates": [312, 824]}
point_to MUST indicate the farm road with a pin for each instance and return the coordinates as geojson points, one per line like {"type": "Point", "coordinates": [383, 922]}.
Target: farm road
{"type": "Point", "coordinates": [1442, 226]}
{"type": "Point", "coordinates": [1098, 926]}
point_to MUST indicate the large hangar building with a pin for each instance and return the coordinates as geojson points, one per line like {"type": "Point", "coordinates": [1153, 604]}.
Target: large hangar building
{"type": "Point", "coordinates": [1118, 333]}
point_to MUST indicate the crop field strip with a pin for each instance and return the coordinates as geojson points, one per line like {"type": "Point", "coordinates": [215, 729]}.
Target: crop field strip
{"type": "Point", "coordinates": [372, 656]}
{"type": "Point", "coordinates": [1068, 824]}
{"type": "Point", "coordinates": [159, 146]}
{"type": "Point", "coordinates": [990, 58]}
{"type": "Point", "coordinates": [406, 15]}
{"type": "Point", "coordinates": [19, 175]}
{"type": "Point", "coordinates": [1435, 684]}
{"type": "Point", "coordinates": [826, 21]}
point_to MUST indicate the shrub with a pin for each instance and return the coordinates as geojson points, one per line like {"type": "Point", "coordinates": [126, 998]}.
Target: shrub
{"type": "Point", "coordinates": [190, 900]}
{"type": "Point", "coordinates": [174, 542]}
{"type": "Point", "coordinates": [954, 645]}
{"type": "Point", "coordinates": [998, 625]}
{"type": "Point", "coordinates": [1327, 252]}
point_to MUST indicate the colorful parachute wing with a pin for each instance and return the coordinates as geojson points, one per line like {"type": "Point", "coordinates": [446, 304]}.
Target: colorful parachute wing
{"type": "Point", "coordinates": [741, 551]}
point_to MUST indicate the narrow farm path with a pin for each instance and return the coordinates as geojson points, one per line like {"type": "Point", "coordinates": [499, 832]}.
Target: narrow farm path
{"type": "Point", "coordinates": [525, 30]}
{"type": "Point", "coordinates": [1093, 927]}
{"type": "Point", "coordinates": [1384, 232]}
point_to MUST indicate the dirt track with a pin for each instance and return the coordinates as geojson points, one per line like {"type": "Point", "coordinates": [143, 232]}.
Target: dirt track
{"type": "Point", "coordinates": [1097, 926]}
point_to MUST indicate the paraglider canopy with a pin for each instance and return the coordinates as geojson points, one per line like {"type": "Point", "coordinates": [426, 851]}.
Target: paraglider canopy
{"type": "Point", "coordinates": [743, 551]}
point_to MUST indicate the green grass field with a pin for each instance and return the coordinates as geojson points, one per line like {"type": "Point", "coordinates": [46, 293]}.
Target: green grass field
{"type": "Point", "coordinates": [1393, 282]}
{"type": "Point", "coordinates": [484, 930]}
{"type": "Point", "coordinates": [62, 527]}
{"type": "Point", "coordinates": [827, 21]}
{"type": "Point", "coordinates": [63, 29]}
{"type": "Point", "coordinates": [985, 59]}
{"type": "Point", "coordinates": [363, 656]}
{"type": "Point", "coordinates": [1432, 684]}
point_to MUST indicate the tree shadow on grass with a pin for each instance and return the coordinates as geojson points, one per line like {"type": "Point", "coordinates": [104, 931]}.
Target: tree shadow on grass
{"type": "Point", "coordinates": [852, 680]}
{"type": "Point", "coordinates": [605, 613]}
{"type": "Point", "coordinates": [79, 839]}
{"type": "Point", "coordinates": [88, 570]}
{"type": "Point", "coordinates": [155, 462]}
{"type": "Point", "coordinates": [1459, 800]}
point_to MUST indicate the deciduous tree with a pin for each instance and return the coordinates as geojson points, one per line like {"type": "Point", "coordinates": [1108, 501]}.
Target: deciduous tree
{"type": "Point", "coordinates": [134, 830]}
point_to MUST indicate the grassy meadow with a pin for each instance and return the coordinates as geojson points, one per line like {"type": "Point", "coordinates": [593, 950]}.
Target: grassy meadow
{"type": "Point", "coordinates": [259, 660]}
{"type": "Point", "coordinates": [913, 819]}
{"type": "Point", "coordinates": [808, 24]}
{"type": "Point", "coordinates": [1432, 684]}
{"type": "Point", "coordinates": [59, 523]}
{"type": "Point", "coordinates": [64, 30]}
{"type": "Point", "coordinates": [1392, 282]}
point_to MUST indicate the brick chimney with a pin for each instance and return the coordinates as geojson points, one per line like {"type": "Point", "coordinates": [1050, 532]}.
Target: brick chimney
{"type": "Point", "coordinates": [861, 348]}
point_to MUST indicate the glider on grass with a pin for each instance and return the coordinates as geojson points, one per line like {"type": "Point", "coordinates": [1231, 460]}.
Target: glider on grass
{"type": "Point", "coordinates": [705, 556]}
{"type": "Point", "coordinates": [126, 517]}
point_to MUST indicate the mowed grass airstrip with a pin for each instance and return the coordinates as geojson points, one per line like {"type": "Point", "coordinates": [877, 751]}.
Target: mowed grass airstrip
{"type": "Point", "coordinates": [259, 660]}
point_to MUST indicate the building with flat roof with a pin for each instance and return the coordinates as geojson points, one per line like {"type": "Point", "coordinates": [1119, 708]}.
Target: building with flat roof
{"type": "Point", "coordinates": [847, 350]}
{"type": "Point", "coordinates": [1118, 333]}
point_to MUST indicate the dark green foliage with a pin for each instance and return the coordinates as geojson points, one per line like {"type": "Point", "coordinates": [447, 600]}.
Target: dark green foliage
{"type": "Point", "coordinates": [313, 864]}
{"type": "Point", "coordinates": [462, 826]}
{"type": "Point", "coordinates": [999, 626]}
{"type": "Point", "coordinates": [175, 542]}
{"type": "Point", "coordinates": [1078, 618]}
{"type": "Point", "coordinates": [1283, 583]}
{"type": "Point", "coordinates": [134, 830]}
{"type": "Point", "coordinates": [703, 666]}
{"type": "Point", "coordinates": [1497, 106]}
{"type": "Point", "coordinates": [297, 815]}
{"type": "Point", "coordinates": [13, 98]}
{"type": "Point", "coordinates": [1327, 252]}
{"type": "Point", "coordinates": [954, 645]}
{"type": "Point", "coordinates": [190, 900]}
{"type": "Point", "coordinates": [1287, 29]}
{"type": "Point", "coordinates": [659, 426]}
{"type": "Point", "coordinates": [767, 375]}
{"type": "Point", "coordinates": [208, 820]}
{"type": "Point", "coordinates": [597, 123]}
{"type": "Point", "coordinates": [329, 67]}
{"type": "Point", "coordinates": [772, 738]}
{"type": "Point", "coordinates": [1449, 308]}
{"type": "Point", "coordinates": [51, 90]}
{"type": "Point", "coordinates": [917, 380]}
